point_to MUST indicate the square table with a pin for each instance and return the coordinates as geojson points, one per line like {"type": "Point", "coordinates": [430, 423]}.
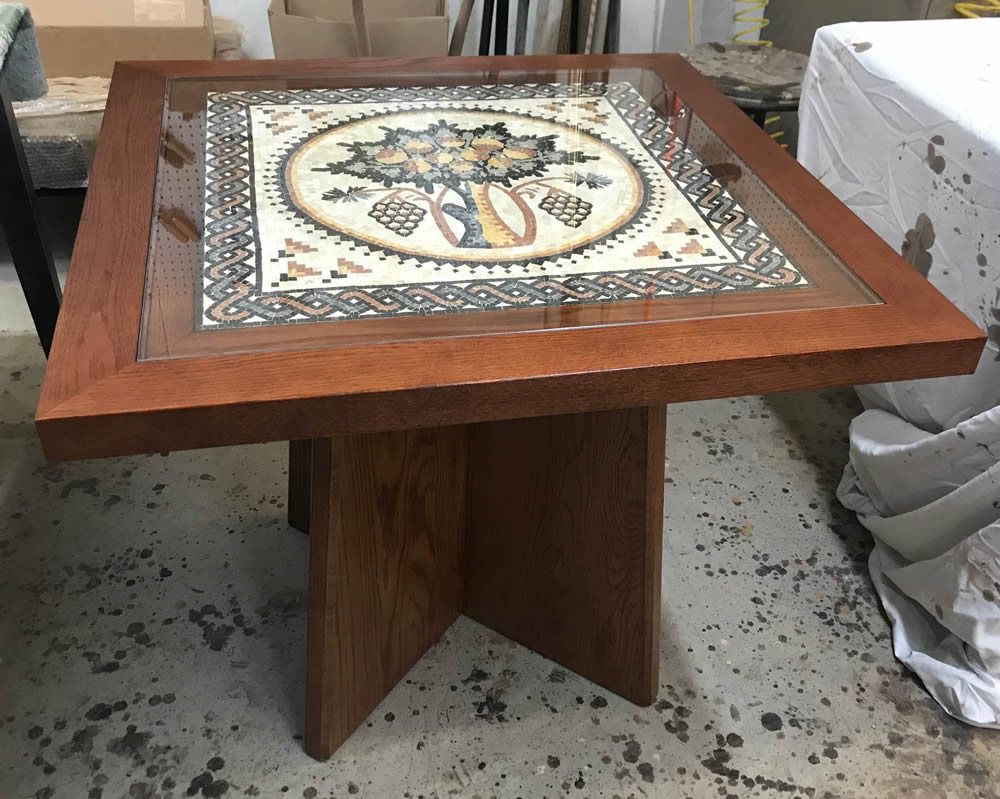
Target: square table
{"type": "Point", "coordinates": [464, 289]}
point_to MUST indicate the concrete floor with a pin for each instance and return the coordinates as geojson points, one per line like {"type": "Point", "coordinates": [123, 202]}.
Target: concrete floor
{"type": "Point", "coordinates": [152, 639]}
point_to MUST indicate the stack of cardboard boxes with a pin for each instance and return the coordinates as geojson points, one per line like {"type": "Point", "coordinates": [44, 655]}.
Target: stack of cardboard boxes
{"type": "Point", "coordinates": [80, 38]}
{"type": "Point", "coordinates": [325, 28]}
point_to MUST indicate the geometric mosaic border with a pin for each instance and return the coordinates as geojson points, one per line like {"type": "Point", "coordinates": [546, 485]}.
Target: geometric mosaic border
{"type": "Point", "coordinates": [231, 279]}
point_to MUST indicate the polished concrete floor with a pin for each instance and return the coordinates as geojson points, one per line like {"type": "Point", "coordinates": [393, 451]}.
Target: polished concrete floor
{"type": "Point", "coordinates": [152, 639]}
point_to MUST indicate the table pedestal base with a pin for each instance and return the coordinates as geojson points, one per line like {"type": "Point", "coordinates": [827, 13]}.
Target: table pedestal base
{"type": "Point", "coordinates": [548, 530]}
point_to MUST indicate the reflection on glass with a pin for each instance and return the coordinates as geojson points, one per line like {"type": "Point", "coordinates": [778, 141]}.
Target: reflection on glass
{"type": "Point", "coordinates": [394, 212]}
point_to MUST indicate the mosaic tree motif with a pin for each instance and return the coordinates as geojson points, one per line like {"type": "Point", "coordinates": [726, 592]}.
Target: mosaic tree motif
{"type": "Point", "coordinates": [459, 174]}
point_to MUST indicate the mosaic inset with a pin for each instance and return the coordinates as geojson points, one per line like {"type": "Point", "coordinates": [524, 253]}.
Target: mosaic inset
{"type": "Point", "coordinates": [365, 203]}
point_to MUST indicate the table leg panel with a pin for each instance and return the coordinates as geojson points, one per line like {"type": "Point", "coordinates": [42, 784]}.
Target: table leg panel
{"type": "Point", "coordinates": [386, 530]}
{"type": "Point", "coordinates": [564, 540]}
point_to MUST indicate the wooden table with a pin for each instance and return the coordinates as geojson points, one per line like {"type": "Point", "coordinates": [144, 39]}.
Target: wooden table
{"type": "Point", "coordinates": [464, 290]}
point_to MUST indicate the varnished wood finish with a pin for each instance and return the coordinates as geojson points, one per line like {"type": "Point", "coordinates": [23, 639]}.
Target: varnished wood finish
{"type": "Point", "coordinates": [556, 542]}
{"type": "Point", "coordinates": [96, 334]}
{"type": "Point", "coordinates": [412, 398]}
{"type": "Point", "coordinates": [99, 399]}
{"type": "Point", "coordinates": [384, 568]}
{"type": "Point", "coordinates": [564, 535]}
{"type": "Point", "coordinates": [548, 530]}
{"type": "Point", "coordinates": [299, 483]}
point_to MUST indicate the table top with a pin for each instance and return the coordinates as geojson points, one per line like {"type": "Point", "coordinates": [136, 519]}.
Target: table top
{"type": "Point", "coordinates": [274, 250]}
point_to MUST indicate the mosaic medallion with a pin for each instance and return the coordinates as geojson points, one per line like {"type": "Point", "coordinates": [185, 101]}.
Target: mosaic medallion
{"type": "Point", "coordinates": [358, 203]}
{"type": "Point", "coordinates": [476, 186]}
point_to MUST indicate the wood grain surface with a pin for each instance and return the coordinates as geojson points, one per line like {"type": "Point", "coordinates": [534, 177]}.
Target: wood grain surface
{"type": "Point", "coordinates": [96, 335]}
{"type": "Point", "coordinates": [564, 537]}
{"type": "Point", "coordinates": [386, 536]}
{"type": "Point", "coordinates": [99, 399]}
{"type": "Point", "coordinates": [560, 372]}
{"type": "Point", "coordinates": [548, 530]}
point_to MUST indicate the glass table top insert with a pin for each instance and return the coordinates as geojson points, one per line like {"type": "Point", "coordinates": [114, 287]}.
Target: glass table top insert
{"type": "Point", "coordinates": [393, 212]}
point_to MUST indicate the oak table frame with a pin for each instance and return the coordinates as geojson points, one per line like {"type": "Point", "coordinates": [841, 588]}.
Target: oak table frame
{"type": "Point", "coordinates": [517, 478]}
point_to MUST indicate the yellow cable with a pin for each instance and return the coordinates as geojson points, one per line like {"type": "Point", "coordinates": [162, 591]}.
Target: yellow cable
{"type": "Point", "coordinates": [755, 23]}
{"type": "Point", "coordinates": [972, 10]}
{"type": "Point", "coordinates": [778, 133]}
{"type": "Point", "coordinates": [691, 22]}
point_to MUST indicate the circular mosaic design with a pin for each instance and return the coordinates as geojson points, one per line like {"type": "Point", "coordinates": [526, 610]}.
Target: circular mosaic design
{"type": "Point", "coordinates": [464, 186]}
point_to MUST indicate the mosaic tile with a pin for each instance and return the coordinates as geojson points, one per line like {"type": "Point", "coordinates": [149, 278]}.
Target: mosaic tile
{"type": "Point", "coordinates": [368, 203]}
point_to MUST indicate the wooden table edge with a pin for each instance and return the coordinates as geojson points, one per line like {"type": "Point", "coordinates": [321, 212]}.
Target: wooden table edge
{"type": "Point", "coordinates": [68, 435]}
{"type": "Point", "coordinates": [88, 381]}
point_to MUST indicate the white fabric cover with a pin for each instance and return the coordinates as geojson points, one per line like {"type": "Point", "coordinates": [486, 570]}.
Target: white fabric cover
{"type": "Point", "coordinates": [901, 120]}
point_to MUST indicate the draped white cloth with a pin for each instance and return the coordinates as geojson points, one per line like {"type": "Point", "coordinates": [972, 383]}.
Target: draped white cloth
{"type": "Point", "coordinates": [901, 120]}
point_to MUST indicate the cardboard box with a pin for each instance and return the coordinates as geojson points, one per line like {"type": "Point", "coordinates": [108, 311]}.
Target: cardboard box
{"type": "Point", "coordinates": [325, 28]}
{"type": "Point", "coordinates": [80, 38]}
